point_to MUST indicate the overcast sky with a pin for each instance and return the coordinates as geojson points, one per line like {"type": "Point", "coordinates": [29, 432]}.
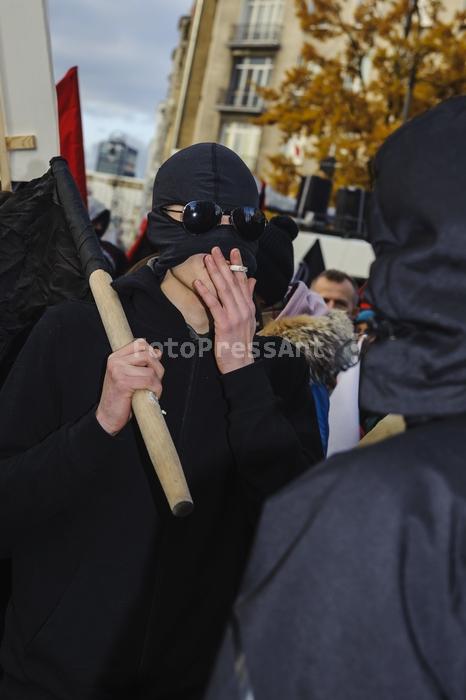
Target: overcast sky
{"type": "Point", "coordinates": [123, 53]}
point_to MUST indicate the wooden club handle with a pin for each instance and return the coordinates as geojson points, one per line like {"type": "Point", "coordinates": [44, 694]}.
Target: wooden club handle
{"type": "Point", "coordinates": [146, 408]}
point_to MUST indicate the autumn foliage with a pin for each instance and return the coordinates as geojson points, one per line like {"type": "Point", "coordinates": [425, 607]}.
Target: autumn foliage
{"type": "Point", "coordinates": [364, 68]}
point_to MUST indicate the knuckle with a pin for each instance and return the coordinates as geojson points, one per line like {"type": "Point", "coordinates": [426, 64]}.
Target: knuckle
{"type": "Point", "coordinates": [112, 372]}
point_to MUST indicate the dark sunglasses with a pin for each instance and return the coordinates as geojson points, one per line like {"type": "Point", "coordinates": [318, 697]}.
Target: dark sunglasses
{"type": "Point", "coordinates": [200, 216]}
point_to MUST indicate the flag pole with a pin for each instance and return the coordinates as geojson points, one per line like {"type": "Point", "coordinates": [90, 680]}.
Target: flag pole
{"type": "Point", "coordinates": [145, 406]}
{"type": "Point", "coordinates": [5, 175]}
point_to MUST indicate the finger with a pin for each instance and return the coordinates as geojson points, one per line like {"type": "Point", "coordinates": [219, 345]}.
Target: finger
{"type": "Point", "coordinates": [158, 367]}
{"type": "Point", "coordinates": [132, 378]}
{"type": "Point", "coordinates": [137, 345]}
{"type": "Point", "coordinates": [222, 285]}
{"type": "Point", "coordinates": [242, 293]}
{"type": "Point", "coordinates": [251, 285]}
{"type": "Point", "coordinates": [211, 301]}
{"type": "Point", "coordinates": [150, 360]}
{"type": "Point", "coordinates": [151, 384]}
{"type": "Point", "coordinates": [240, 277]}
{"type": "Point", "coordinates": [232, 291]}
{"type": "Point", "coordinates": [133, 371]}
{"type": "Point", "coordinates": [141, 358]}
{"type": "Point", "coordinates": [236, 259]}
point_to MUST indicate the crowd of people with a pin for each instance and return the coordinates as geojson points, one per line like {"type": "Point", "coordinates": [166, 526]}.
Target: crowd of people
{"type": "Point", "coordinates": [320, 426]}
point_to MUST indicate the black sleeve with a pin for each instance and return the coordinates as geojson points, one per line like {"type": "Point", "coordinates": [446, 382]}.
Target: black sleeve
{"type": "Point", "coordinates": [274, 439]}
{"type": "Point", "coordinates": [42, 462]}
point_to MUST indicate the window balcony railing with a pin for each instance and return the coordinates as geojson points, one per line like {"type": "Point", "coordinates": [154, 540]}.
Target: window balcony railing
{"type": "Point", "coordinates": [267, 35]}
{"type": "Point", "coordinates": [240, 101]}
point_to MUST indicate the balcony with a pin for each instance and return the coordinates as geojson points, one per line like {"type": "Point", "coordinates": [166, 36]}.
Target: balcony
{"type": "Point", "coordinates": [256, 36]}
{"type": "Point", "coordinates": [246, 101]}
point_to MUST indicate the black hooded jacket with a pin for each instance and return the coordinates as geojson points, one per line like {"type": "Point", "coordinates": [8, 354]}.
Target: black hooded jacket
{"type": "Point", "coordinates": [113, 597]}
{"type": "Point", "coordinates": [356, 588]}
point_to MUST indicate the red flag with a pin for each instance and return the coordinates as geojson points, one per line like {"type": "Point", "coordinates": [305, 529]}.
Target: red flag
{"type": "Point", "coordinates": [138, 241]}
{"type": "Point", "coordinates": [70, 128]}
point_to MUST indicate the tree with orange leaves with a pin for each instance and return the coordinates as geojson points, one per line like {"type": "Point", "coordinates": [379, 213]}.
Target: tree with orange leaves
{"type": "Point", "coordinates": [362, 72]}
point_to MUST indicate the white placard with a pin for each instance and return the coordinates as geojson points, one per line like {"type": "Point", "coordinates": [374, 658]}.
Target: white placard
{"type": "Point", "coordinates": [27, 87]}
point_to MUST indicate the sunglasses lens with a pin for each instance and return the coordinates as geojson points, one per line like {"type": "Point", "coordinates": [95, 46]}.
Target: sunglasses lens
{"type": "Point", "coordinates": [250, 222]}
{"type": "Point", "coordinates": [201, 216]}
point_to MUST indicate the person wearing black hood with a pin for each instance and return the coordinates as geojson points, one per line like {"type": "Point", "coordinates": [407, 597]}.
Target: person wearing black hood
{"type": "Point", "coordinates": [113, 597]}
{"type": "Point", "coordinates": [362, 593]}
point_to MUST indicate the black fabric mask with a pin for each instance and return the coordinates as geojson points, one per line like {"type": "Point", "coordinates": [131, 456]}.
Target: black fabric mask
{"type": "Point", "coordinates": [418, 281]}
{"type": "Point", "coordinates": [205, 171]}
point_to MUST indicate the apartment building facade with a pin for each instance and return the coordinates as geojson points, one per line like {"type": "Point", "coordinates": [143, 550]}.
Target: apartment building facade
{"type": "Point", "coordinates": [227, 48]}
{"type": "Point", "coordinates": [254, 42]}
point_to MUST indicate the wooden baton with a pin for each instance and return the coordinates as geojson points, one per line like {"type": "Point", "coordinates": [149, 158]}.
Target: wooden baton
{"type": "Point", "coordinates": [145, 405]}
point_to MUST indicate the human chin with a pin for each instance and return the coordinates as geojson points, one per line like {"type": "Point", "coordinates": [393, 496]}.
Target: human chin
{"type": "Point", "coordinates": [191, 269]}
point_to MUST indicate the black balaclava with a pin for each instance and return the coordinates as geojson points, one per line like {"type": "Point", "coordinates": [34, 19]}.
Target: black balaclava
{"type": "Point", "coordinates": [205, 171]}
{"type": "Point", "coordinates": [417, 364]}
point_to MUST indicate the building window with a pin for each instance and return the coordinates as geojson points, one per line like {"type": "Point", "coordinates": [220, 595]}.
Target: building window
{"type": "Point", "coordinates": [258, 13]}
{"type": "Point", "coordinates": [248, 73]}
{"type": "Point", "coordinates": [244, 139]}
{"type": "Point", "coordinates": [260, 22]}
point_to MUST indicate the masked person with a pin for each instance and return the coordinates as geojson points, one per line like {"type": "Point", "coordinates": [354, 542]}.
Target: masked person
{"type": "Point", "coordinates": [362, 594]}
{"type": "Point", "coordinates": [113, 597]}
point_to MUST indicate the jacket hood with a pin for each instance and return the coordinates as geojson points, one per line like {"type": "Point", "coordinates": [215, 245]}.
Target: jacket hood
{"type": "Point", "coordinates": [416, 365]}
{"type": "Point", "coordinates": [204, 171]}
{"type": "Point", "coordinates": [328, 342]}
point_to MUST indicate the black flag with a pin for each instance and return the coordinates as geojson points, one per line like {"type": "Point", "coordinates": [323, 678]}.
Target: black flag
{"type": "Point", "coordinates": [312, 265]}
{"type": "Point", "coordinates": [39, 264]}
